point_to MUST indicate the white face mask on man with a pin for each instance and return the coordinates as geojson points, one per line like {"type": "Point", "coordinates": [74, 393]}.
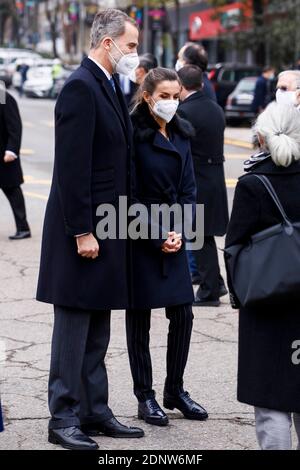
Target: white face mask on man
{"type": "Point", "coordinates": [286, 97]}
{"type": "Point", "coordinates": [179, 64]}
{"type": "Point", "coordinates": [127, 63]}
{"type": "Point", "coordinates": [165, 109]}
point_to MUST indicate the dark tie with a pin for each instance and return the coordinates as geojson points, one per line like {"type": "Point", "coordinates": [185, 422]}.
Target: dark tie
{"type": "Point", "coordinates": [111, 81]}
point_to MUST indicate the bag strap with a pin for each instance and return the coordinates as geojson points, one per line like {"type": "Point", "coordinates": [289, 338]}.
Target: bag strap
{"type": "Point", "coordinates": [269, 187]}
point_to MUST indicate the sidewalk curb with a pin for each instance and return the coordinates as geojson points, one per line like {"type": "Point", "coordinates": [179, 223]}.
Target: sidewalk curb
{"type": "Point", "coordinates": [238, 143]}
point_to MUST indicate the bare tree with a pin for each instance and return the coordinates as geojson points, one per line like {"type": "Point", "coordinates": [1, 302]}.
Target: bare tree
{"type": "Point", "coordinates": [52, 14]}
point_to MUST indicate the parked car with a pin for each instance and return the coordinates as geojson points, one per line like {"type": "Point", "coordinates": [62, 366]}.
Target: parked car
{"type": "Point", "coordinates": [225, 77]}
{"type": "Point", "coordinates": [32, 63]}
{"type": "Point", "coordinates": [238, 105]}
{"type": "Point", "coordinates": [39, 81]}
{"type": "Point", "coordinates": [8, 58]}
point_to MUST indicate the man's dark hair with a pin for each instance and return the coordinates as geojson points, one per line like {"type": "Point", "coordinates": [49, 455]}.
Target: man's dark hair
{"type": "Point", "coordinates": [193, 55]}
{"type": "Point", "coordinates": [151, 59]}
{"type": "Point", "coordinates": [191, 77]}
{"type": "Point", "coordinates": [268, 68]}
{"type": "Point", "coordinates": [146, 64]}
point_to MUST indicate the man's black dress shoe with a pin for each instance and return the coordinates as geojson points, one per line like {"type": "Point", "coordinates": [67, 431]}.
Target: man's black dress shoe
{"type": "Point", "coordinates": [20, 235]}
{"type": "Point", "coordinates": [188, 407]}
{"type": "Point", "coordinates": [206, 302]}
{"type": "Point", "coordinates": [112, 428]}
{"type": "Point", "coordinates": [71, 438]}
{"type": "Point", "coordinates": [151, 413]}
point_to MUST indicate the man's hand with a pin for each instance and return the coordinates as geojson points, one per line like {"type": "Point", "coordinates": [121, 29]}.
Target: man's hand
{"type": "Point", "coordinates": [8, 157]}
{"type": "Point", "coordinates": [173, 243]}
{"type": "Point", "coordinates": [87, 246]}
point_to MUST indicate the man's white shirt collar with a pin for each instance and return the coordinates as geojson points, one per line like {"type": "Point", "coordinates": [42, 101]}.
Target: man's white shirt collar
{"type": "Point", "coordinates": [108, 75]}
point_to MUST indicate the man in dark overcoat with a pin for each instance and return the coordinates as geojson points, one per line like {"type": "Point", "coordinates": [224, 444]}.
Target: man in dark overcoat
{"type": "Point", "coordinates": [207, 145]}
{"type": "Point", "coordinates": [82, 276]}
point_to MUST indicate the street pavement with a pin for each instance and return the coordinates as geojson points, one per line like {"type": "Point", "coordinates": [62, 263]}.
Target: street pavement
{"type": "Point", "coordinates": [26, 326]}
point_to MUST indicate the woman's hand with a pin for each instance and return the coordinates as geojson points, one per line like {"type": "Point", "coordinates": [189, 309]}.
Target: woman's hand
{"type": "Point", "coordinates": [173, 243]}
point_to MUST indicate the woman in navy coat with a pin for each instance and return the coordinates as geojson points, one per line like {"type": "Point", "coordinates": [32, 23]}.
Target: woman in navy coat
{"type": "Point", "coordinates": [164, 174]}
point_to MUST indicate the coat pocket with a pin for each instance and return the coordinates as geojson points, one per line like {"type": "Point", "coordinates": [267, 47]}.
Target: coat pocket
{"type": "Point", "coordinates": [103, 186]}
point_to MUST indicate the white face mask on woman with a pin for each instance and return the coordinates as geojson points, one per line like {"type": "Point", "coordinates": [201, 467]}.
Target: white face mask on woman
{"type": "Point", "coordinates": [165, 109]}
{"type": "Point", "coordinates": [127, 63]}
{"type": "Point", "coordinates": [286, 97]}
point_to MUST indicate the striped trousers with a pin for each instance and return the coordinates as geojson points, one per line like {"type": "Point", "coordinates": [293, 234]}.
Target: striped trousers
{"type": "Point", "coordinates": [138, 324]}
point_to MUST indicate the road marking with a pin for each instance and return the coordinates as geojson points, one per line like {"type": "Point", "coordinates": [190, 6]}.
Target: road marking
{"type": "Point", "coordinates": [238, 143]}
{"type": "Point", "coordinates": [48, 123]}
{"type": "Point", "coordinates": [30, 180]}
{"type": "Point", "coordinates": [231, 182]}
{"type": "Point", "coordinates": [236, 156]}
{"type": "Point", "coordinates": [28, 124]}
{"type": "Point", "coordinates": [36, 195]}
{"type": "Point", "coordinates": [27, 152]}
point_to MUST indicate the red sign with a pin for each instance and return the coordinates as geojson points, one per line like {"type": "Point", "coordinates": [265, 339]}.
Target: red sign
{"type": "Point", "coordinates": [214, 21]}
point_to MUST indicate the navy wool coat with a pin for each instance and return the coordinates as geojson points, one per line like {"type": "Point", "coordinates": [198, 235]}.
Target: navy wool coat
{"type": "Point", "coordinates": [93, 137]}
{"type": "Point", "coordinates": [163, 175]}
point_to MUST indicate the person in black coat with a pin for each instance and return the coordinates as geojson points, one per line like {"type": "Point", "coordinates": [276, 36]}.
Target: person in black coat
{"type": "Point", "coordinates": [263, 90]}
{"type": "Point", "coordinates": [207, 145]}
{"type": "Point", "coordinates": [85, 278]}
{"type": "Point", "coordinates": [269, 338]}
{"type": "Point", "coordinates": [163, 175]}
{"type": "Point", "coordinates": [11, 176]}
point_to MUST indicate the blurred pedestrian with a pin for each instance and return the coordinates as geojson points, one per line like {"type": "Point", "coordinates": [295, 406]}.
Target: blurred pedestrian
{"type": "Point", "coordinates": [208, 120]}
{"type": "Point", "coordinates": [263, 92]}
{"type": "Point", "coordinates": [128, 87]}
{"type": "Point", "coordinates": [131, 83]}
{"type": "Point", "coordinates": [194, 54]}
{"type": "Point", "coordinates": [23, 70]}
{"type": "Point", "coordinates": [92, 166]}
{"type": "Point", "coordinates": [56, 73]}
{"type": "Point", "coordinates": [11, 176]}
{"type": "Point", "coordinates": [268, 373]}
{"type": "Point", "coordinates": [164, 175]}
{"type": "Point", "coordinates": [146, 63]}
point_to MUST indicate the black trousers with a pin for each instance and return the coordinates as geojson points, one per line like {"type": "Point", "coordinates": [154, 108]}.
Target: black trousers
{"type": "Point", "coordinates": [138, 323]}
{"type": "Point", "coordinates": [208, 266]}
{"type": "Point", "coordinates": [17, 203]}
{"type": "Point", "coordinates": [78, 385]}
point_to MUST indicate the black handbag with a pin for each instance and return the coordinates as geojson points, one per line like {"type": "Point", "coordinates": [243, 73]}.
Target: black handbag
{"type": "Point", "coordinates": [266, 270]}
